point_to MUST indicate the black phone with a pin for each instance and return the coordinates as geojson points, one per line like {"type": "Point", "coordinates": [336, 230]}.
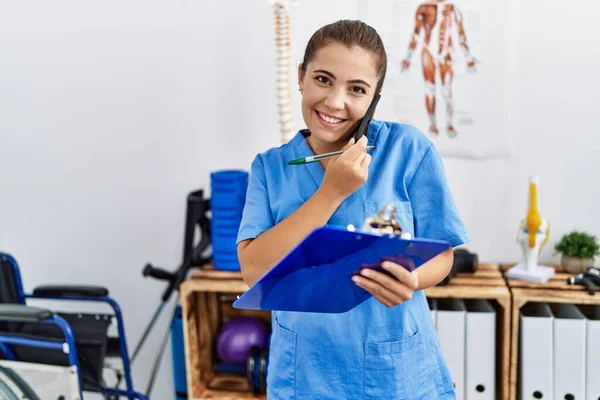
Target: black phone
{"type": "Point", "coordinates": [364, 123]}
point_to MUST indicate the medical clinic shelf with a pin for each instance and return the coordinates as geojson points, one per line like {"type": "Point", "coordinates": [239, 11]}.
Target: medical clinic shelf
{"type": "Point", "coordinates": [203, 312]}
{"type": "Point", "coordinates": [487, 283]}
{"type": "Point", "coordinates": [556, 290]}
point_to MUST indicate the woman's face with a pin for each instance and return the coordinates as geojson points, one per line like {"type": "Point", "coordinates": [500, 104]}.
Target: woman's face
{"type": "Point", "coordinates": [338, 86]}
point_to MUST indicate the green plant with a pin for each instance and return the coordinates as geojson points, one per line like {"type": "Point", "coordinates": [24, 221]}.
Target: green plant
{"type": "Point", "coordinates": [578, 244]}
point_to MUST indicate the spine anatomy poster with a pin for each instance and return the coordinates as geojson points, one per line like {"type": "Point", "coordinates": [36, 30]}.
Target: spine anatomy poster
{"type": "Point", "coordinates": [449, 66]}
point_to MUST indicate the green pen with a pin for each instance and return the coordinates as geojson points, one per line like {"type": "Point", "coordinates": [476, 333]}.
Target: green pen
{"type": "Point", "coordinates": [310, 159]}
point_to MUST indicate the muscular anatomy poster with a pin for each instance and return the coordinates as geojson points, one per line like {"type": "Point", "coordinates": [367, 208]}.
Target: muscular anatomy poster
{"type": "Point", "coordinates": [449, 66]}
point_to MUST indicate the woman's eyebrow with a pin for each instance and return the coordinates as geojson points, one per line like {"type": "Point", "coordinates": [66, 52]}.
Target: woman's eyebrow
{"type": "Point", "coordinates": [359, 81]}
{"type": "Point", "coordinates": [322, 71]}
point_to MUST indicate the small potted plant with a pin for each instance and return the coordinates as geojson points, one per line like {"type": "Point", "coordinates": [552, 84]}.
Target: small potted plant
{"type": "Point", "coordinates": [578, 250]}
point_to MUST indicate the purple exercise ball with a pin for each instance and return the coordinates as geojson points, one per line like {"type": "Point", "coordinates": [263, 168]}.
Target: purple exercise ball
{"type": "Point", "coordinates": [238, 336]}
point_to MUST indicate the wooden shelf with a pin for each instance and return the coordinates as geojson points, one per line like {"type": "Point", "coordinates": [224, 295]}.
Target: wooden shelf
{"type": "Point", "coordinates": [203, 311]}
{"type": "Point", "coordinates": [556, 290]}
{"type": "Point", "coordinates": [215, 281]}
{"type": "Point", "coordinates": [487, 283]}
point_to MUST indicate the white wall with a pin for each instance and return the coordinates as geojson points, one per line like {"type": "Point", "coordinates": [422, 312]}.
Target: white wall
{"type": "Point", "coordinates": [111, 112]}
{"type": "Point", "coordinates": [553, 124]}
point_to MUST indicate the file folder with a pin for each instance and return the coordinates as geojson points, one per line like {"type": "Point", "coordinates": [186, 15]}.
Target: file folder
{"type": "Point", "coordinates": [451, 324]}
{"type": "Point", "coordinates": [536, 352]}
{"type": "Point", "coordinates": [316, 276]}
{"type": "Point", "coordinates": [569, 352]}
{"type": "Point", "coordinates": [480, 350]}
{"type": "Point", "coordinates": [593, 355]}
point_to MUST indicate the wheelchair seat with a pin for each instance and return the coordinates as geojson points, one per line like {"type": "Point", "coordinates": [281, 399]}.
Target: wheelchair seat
{"type": "Point", "coordinates": [90, 333]}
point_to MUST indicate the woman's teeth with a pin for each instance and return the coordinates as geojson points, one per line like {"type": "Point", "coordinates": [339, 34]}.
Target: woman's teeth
{"type": "Point", "coordinates": [329, 119]}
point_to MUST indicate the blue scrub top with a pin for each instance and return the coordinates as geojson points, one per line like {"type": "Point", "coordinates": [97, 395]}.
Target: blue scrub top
{"type": "Point", "coordinates": [371, 351]}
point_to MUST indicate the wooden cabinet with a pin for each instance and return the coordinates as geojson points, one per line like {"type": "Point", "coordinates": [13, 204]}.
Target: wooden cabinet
{"type": "Point", "coordinates": [206, 301]}
{"type": "Point", "coordinates": [207, 297]}
{"type": "Point", "coordinates": [556, 290]}
{"type": "Point", "coordinates": [486, 283]}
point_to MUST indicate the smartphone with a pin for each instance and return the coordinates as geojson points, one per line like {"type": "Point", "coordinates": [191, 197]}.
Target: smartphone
{"type": "Point", "coordinates": [364, 123]}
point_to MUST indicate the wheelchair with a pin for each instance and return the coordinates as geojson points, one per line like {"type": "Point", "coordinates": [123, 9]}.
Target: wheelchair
{"type": "Point", "coordinates": [57, 356]}
{"type": "Point", "coordinates": [43, 352]}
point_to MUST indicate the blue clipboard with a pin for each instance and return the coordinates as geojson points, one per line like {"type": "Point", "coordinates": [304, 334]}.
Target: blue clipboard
{"type": "Point", "coordinates": [316, 276]}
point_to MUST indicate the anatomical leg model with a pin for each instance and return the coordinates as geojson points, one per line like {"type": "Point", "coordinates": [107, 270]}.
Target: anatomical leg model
{"type": "Point", "coordinates": [284, 67]}
{"type": "Point", "coordinates": [429, 75]}
{"type": "Point", "coordinates": [532, 236]}
{"type": "Point", "coordinates": [446, 75]}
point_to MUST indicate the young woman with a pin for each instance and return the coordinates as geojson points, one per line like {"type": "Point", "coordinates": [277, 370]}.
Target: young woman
{"type": "Point", "coordinates": [387, 347]}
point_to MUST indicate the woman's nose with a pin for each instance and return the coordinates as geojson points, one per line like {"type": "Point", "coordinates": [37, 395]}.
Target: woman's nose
{"type": "Point", "coordinates": [335, 99]}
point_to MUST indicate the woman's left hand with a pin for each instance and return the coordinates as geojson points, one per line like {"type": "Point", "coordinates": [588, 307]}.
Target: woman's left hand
{"type": "Point", "coordinates": [386, 289]}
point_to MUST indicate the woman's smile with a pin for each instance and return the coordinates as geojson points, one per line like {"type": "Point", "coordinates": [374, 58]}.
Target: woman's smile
{"type": "Point", "coordinates": [329, 121]}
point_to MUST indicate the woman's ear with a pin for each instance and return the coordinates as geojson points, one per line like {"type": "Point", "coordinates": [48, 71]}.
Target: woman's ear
{"type": "Point", "coordinates": [300, 76]}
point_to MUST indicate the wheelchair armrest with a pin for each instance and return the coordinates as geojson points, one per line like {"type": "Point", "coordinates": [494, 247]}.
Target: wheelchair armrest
{"type": "Point", "coordinates": [70, 290]}
{"type": "Point", "coordinates": [23, 313]}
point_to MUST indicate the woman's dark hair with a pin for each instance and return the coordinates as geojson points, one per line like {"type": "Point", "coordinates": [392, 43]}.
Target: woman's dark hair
{"type": "Point", "coordinates": [351, 33]}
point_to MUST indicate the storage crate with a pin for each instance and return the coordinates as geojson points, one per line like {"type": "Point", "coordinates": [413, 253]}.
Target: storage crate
{"type": "Point", "coordinates": [206, 302]}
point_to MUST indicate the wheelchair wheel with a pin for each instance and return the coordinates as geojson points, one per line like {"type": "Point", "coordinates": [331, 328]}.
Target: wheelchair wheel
{"type": "Point", "coordinates": [12, 386]}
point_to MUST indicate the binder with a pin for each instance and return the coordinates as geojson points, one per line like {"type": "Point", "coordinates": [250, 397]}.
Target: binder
{"type": "Point", "coordinates": [593, 354]}
{"type": "Point", "coordinates": [569, 352]}
{"type": "Point", "coordinates": [480, 359]}
{"type": "Point", "coordinates": [316, 276]}
{"type": "Point", "coordinates": [536, 352]}
{"type": "Point", "coordinates": [451, 324]}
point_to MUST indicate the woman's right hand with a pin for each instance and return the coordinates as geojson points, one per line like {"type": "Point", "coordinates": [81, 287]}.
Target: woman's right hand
{"type": "Point", "coordinates": [347, 172]}
{"type": "Point", "coordinates": [343, 175]}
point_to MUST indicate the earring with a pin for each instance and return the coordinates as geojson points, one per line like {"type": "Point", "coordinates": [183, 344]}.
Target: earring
{"type": "Point", "coordinates": [300, 90]}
